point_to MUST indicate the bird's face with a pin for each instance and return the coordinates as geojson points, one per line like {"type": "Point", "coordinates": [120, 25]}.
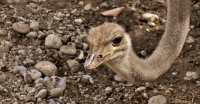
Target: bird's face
{"type": "Point", "coordinates": [106, 43]}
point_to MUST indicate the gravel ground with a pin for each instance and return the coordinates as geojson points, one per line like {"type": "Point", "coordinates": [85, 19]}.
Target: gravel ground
{"type": "Point", "coordinates": [43, 49]}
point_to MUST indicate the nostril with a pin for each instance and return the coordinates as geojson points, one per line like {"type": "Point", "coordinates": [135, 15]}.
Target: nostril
{"type": "Point", "coordinates": [100, 56]}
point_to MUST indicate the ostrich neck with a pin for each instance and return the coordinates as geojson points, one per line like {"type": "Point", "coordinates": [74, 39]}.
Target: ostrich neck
{"type": "Point", "coordinates": [168, 49]}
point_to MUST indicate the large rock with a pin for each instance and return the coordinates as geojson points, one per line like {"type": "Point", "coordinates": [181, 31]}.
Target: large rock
{"type": "Point", "coordinates": [21, 27]}
{"type": "Point", "coordinates": [158, 99]}
{"type": "Point", "coordinates": [47, 68]}
{"type": "Point", "coordinates": [68, 49]}
{"type": "Point", "coordinates": [53, 41]}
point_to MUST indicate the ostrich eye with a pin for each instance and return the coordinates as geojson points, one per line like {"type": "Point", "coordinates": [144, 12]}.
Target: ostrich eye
{"type": "Point", "coordinates": [116, 41]}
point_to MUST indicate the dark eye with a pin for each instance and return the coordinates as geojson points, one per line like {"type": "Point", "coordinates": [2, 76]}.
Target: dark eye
{"type": "Point", "coordinates": [116, 41]}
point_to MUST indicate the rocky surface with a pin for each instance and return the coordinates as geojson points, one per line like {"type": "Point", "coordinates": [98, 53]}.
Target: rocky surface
{"type": "Point", "coordinates": [43, 47]}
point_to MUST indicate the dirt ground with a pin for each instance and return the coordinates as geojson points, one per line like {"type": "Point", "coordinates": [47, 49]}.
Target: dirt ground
{"type": "Point", "coordinates": [71, 19]}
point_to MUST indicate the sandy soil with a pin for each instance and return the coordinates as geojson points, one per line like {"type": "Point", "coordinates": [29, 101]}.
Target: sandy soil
{"type": "Point", "coordinates": [71, 20]}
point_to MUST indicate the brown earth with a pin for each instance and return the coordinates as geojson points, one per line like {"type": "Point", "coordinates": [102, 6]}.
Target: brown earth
{"type": "Point", "coordinates": [14, 90]}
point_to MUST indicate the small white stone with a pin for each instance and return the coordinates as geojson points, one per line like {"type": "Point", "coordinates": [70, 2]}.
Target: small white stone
{"type": "Point", "coordinates": [118, 78]}
{"type": "Point", "coordinates": [190, 39]}
{"type": "Point", "coordinates": [32, 34]}
{"type": "Point", "coordinates": [145, 95]}
{"type": "Point", "coordinates": [151, 24]}
{"type": "Point", "coordinates": [81, 55]}
{"type": "Point", "coordinates": [88, 6]}
{"type": "Point", "coordinates": [81, 3]}
{"type": "Point", "coordinates": [191, 75]}
{"type": "Point", "coordinates": [150, 17]}
{"type": "Point", "coordinates": [108, 89]}
{"type": "Point", "coordinates": [174, 73]}
{"type": "Point", "coordinates": [79, 20]}
{"type": "Point", "coordinates": [139, 89]}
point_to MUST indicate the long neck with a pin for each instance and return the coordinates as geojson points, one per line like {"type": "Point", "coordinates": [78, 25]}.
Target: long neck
{"type": "Point", "coordinates": [170, 45]}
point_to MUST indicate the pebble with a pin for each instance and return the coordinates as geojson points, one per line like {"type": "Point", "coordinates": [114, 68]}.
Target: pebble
{"type": "Point", "coordinates": [32, 34]}
{"type": "Point", "coordinates": [191, 75]}
{"type": "Point", "coordinates": [190, 40]}
{"type": "Point", "coordinates": [35, 74]}
{"type": "Point", "coordinates": [34, 25]}
{"type": "Point", "coordinates": [61, 83]}
{"type": "Point", "coordinates": [28, 61]}
{"type": "Point", "coordinates": [88, 78]}
{"type": "Point", "coordinates": [42, 93]}
{"type": "Point", "coordinates": [73, 65]}
{"type": "Point", "coordinates": [150, 17]}
{"type": "Point", "coordinates": [198, 83]}
{"type": "Point", "coordinates": [108, 90]}
{"type": "Point", "coordinates": [41, 35]}
{"type": "Point", "coordinates": [22, 70]}
{"type": "Point", "coordinates": [174, 73]}
{"type": "Point", "coordinates": [85, 46]}
{"type": "Point", "coordinates": [68, 49]}
{"type": "Point", "coordinates": [3, 32]}
{"type": "Point", "coordinates": [65, 38]}
{"type": "Point", "coordinates": [145, 95]}
{"type": "Point", "coordinates": [139, 89]}
{"type": "Point", "coordinates": [55, 92]}
{"type": "Point", "coordinates": [79, 20]}
{"type": "Point", "coordinates": [81, 55]}
{"type": "Point", "coordinates": [21, 27]}
{"type": "Point", "coordinates": [3, 89]}
{"type": "Point", "coordinates": [2, 77]}
{"type": "Point", "coordinates": [53, 41]}
{"type": "Point", "coordinates": [118, 78]}
{"type": "Point", "coordinates": [22, 52]}
{"type": "Point", "coordinates": [47, 68]}
{"type": "Point", "coordinates": [158, 99]}
{"type": "Point", "coordinates": [15, 102]}
{"type": "Point", "coordinates": [104, 4]}
{"type": "Point", "coordinates": [88, 6]}
{"type": "Point", "coordinates": [51, 101]}
{"type": "Point", "coordinates": [15, 1]}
